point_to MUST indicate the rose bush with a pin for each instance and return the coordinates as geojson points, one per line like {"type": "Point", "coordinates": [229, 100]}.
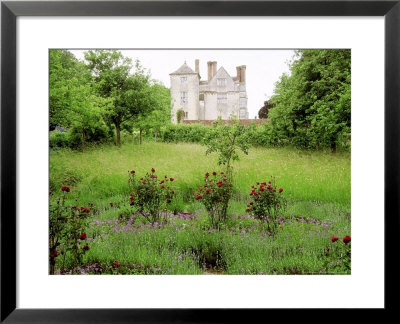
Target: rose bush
{"type": "Point", "coordinates": [266, 203]}
{"type": "Point", "coordinates": [215, 194]}
{"type": "Point", "coordinates": [150, 195]}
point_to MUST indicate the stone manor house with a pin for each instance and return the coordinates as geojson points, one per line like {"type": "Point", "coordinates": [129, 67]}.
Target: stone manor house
{"type": "Point", "coordinates": [219, 95]}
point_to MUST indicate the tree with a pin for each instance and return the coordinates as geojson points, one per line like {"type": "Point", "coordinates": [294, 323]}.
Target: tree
{"type": "Point", "coordinates": [159, 116]}
{"type": "Point", "coordinates": [130, 93]}
{"type": "Point", "coordinates": [312, 105]}
{"type": "Point", "coordinates": [263, 112]}
{"type": "Point", "coordinates": [66, 73]}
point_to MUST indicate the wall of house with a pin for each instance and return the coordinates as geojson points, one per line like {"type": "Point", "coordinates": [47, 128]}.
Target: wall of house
{"type": "Point", "coordinates": [192, 107]}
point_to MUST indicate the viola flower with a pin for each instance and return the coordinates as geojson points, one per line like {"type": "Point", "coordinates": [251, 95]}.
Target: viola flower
{"type": "Point", "coordinates": [153, 170]}
{"type": "Point", "coordinates": [280, 189]}
{"type": "Point", "coordinates": [346, 239]}
{"type": "Point", "coordinates": [83, 236]}
{"type": "Point", "coordinates": [334, 238]}
{"type": "Point", "coordinates": [247, 210]}
{"type": "Point", "coordinates": [65, 188]}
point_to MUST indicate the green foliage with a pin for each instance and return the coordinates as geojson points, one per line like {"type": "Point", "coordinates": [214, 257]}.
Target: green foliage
{"type": "Point", "coordinates": [312, 105]}
{"type": "Point", "coordinates": [226, 140]}
{"type": "Point", "coordinates": [66, 73]}
{"type": "Point", "coordinates": [66, 226]}
{"type": "Point", "coordinates": [215, 194]}
{"type": "Point", "coordinates": [160, 116]}
{"type": "Point", "coordinates": [129, 95]}
{"type": "Point", "coordinates": [59, 139]}
{"type": "Point", "coordinates": [179, 115]}
{"type": "Point", "coordinates": [266, 203]}
{"type": "Point", "coordinates": [194, 133]}
{"type": "Point", "coordinates": [150, 195]}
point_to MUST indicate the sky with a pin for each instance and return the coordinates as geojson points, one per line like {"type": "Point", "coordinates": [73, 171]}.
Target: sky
{"type": "Point", "coordinates": [263, 67]}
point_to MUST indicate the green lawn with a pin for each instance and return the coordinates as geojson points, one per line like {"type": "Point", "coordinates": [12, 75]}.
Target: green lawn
{"type": "Point", "coordinates": [316, 185]}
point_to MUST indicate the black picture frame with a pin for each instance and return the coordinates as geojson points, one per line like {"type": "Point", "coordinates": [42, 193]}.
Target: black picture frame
{"type": "Point", "coordinates": [10, 10]}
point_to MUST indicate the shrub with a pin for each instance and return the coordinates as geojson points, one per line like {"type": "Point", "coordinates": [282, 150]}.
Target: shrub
{"type": "Point", "coordinates": [339, 255]}
{"type": "Point", "coordinates": [266, 203]}
{"type": "Point", "coordinates": [66, 231]}
{"type": "Point", "coordinates": [59, 139]}
{"type": "Point", "coordinates": [150, 195]}
{"type": "Point", "coordinates": [215, 195]}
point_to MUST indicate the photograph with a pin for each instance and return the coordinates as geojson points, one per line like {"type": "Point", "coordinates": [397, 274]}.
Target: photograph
{"type": "Point", "coordinates": [199, 161]}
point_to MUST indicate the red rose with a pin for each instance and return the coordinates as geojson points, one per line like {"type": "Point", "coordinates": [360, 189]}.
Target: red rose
{"type": "Point", "coordinates": [171, 179]}
{"type": "Point", "coordinates": [153, 170]}
{"type": "Point", "coordinates": [251, 203]}
{"type": "Point", "coordinates": [207, 191]}
{"type": "Point", "coordinates": [85, 209]}
{"type": "Point", "coordinates": [207, 175]}
{"type": "Point", "coordinates": [66, 220]}
{"type": "Point", "coordinates": [64, 188]}
{"type": "Point", "coordinates": [162, 187]}
{"type": "Point", "coordinates": [83, 236]}
{"type": "Point", "coordinates": [86, 247]}
{"type": "Point", "coordinates": [247, 210]}
{"type": "Point", "coordinates": [162, 181]}
{"type": "Point", "coordinates": [199, 197]}
{"type": "Point", "coordinates": [222, 173]}
{"type": "Point", "coordinates": [346, 239]}
{"type": "Point", "coordinates": [334, 238]}
{"type": "Point", "coordinates": [111, 204]}
{"type": "Point", "coordinates": [214, 173]}
{"type": "Point", "coordinates": [220, 185]}
{"type": "Point", "coordinates": [116, 263]}
{"type": "Point", "coordinates": [280, 189]}
{"type": "Point", "coordinates": [133, 171]}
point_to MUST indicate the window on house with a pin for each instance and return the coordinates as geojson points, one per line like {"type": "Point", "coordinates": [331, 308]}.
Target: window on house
{"type": "Point", "coordinates": [186, 115]}
{"type": "Point", "coordinates": [242, 103]}
{"type": "Point", "coordinates": [221, 82]}
{"type": "Point", "coordinates": [222, 98]}
{"type": "Point", "coordinates": [184, 97]}
{"type": "Point", "coordinates": [183, 79]}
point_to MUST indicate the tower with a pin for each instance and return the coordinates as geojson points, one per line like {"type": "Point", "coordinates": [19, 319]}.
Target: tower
{"type": "Point", "coordinates": [185, 93]}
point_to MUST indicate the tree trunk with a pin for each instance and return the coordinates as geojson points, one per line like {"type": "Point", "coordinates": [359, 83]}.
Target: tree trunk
{"type": "Point", "coordinates": [118, 130]}
{"type": "Point", "coordinates": [140, 136]}
{"type": "Point", "coordinates": [83, 140]}
{"type": "Point", "coordinates": [333, 147]}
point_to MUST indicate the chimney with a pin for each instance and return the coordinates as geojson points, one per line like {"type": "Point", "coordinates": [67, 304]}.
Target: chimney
{"type": "Point", "coordinates": [196, 66]}
{"type": "Point", "coordinates": [209, 65]}
{"type": "Point", "coordinates": [238, 73]}
{"type": "Point", "coordinates": [214, 68]}
{"type": "Point", "coordinates": [243, 73]}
